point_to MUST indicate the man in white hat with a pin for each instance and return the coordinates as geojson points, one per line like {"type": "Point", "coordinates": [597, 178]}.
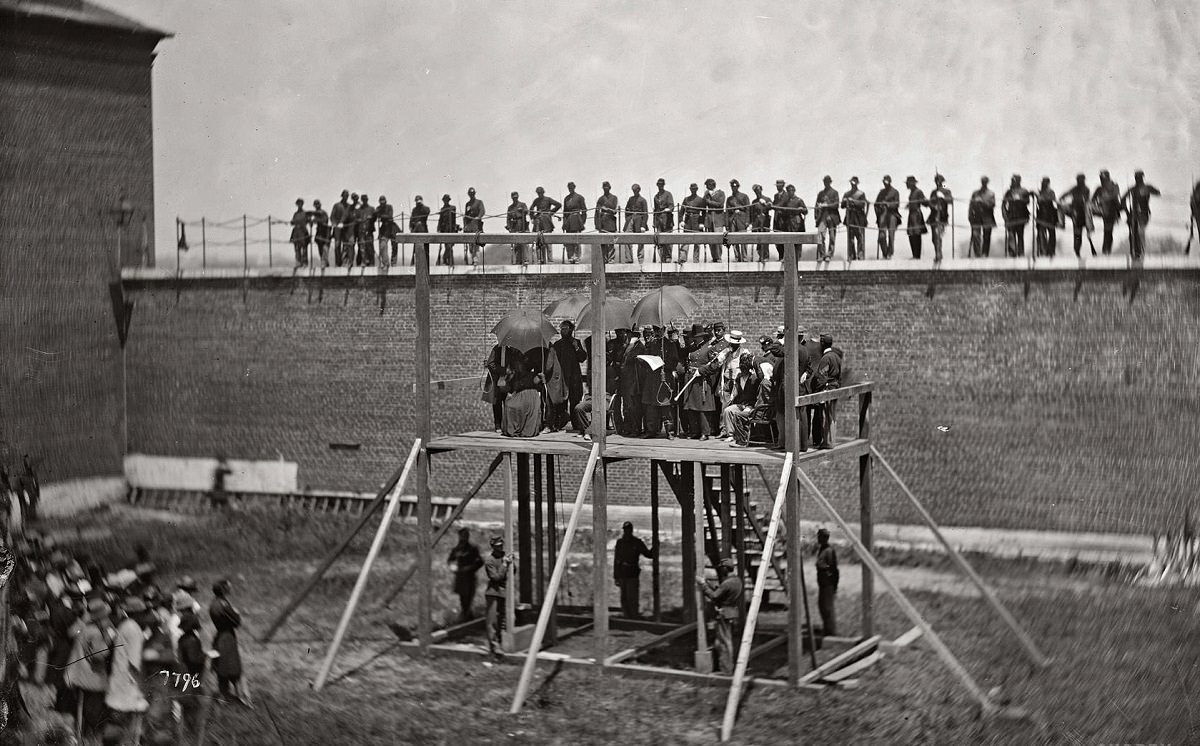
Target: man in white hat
{"type": "Point", "coordinates": [734, 341]}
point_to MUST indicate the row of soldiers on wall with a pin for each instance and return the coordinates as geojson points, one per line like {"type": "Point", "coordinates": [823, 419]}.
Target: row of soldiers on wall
{"type": "Point", "coordinates": [709, 382]}
{"type": "Point", "coordinates": [353, 223]}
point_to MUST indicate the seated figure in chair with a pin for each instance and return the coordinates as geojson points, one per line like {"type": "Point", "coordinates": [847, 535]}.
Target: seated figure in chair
{"type": "Point", "coordinates": [747, 386]}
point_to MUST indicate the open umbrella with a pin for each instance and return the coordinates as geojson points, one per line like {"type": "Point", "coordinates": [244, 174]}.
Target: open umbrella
{"type": "Point", "coordinates": [524, 329]}
{"type": "Point", "coordinates": [568, 307]}
{"type": "Point", "coordinates": [665, 305]}
{"type": "Point", "coordinates": [617, 315]}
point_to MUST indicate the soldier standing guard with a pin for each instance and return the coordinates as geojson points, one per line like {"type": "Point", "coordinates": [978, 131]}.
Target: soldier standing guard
{"type": "Point", "coordinates": [300, 236]}
{"type": "Point", "coordinates": [760, 220]}
{"type": "Point", "coordinates": [1014, 208]}
{"type": "Point", "coordinates": [714, 217]}
{"type": "Point", "coordinates": [574, 220]}
{"type": "Point", "coordinates": [320, 220]}
{"type": "Point", "coordinates": [418, 222]}
{"type": "Point", "coordinates": [778, 202]}
{"type": "Point", "coordinates": [691, 217]}
{"type": "Point", "coordinates": [517, 221]}
{"type": "Point", "coordinates": [447, 223]}
{"type": "Point", "coordinates": [887, 217]}
{"type": "Point", "coordinates": [794, 212]}
{"type": "Point", "coordinates": [940, 200]}
{"type": "Point", "coordinates": [916, 219]}
{"type": "Point", "coordinates": [727, 602]}
{"type": "Point", "coordinates": [635, 222]}
{"type": "Point", "coordinates": [737, 213]}
{"type": "Point", "coordinates": [465, 561]}
{"type": "Point", "coordinates": [828, 219]}
{"type": "Point", "coordinates": [365, 230]}
{"type": "Point", "coordinates": [1106, 202]}
{"type": "Point", "coordinates": [388, 231]}
{"type": "Point", "coordinates": [344, 230]}
{"type": "Point", "coordinates": [981, 214]}
{"type": "Point", "coordinates": [626, 554]}
{"type": "Point", "coordinates": [855, 203]}
{"type": "Point", "coordinates": [497, 568]}
{"type": "Point", "coordinates": [542, 210]}
{"type": "Point", "coordinates": [664, 217]}
{"type": "Point", "coordinates": [1047, 220]}
{"type": "Point", "coordinates": [827, 583]}
{"type": "Point", "coordinates": [473, 212]}
{"type": "Point", "coordinates": [1076, 204]}
{"type": "Point", "coordinates": [606, 219]}
{"type": "Point", "coordinates": [1136, 202]}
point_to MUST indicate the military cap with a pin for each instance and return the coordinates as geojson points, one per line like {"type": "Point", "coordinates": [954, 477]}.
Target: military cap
{"type": "Point", "coordinates": [661, 182]}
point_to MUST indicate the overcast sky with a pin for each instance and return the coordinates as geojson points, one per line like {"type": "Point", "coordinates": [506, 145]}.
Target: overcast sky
{"type": "Point", "coordinates": [257, 103]}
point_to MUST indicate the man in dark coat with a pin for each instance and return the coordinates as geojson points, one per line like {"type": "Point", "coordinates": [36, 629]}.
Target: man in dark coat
{"type": "Point", "coordinates": [320, 221]}
{"type": "Point", "coordinates": [343, 227]}
{"type": "Point", "coordinates": [465, 561]}
{"type": "Point", "coordinates": [737, 214]}
{"type": "Point", "coordinates": [916, 218]}
{"type": "Point", "coordinates": [631, 393]}
{"type": "Point", "coordinates": [418, 222]}
{"type": "Point", "coordinates": [828, 376]}
{"type": "Point", "coordinates": [1014, 208]}
{"type": "Point", "coordinates": [606, 219]}
{"type": "Point", "coordinates": [658, 386]}
{"type": "Point", "coordinates": [574, 220]}
{"type": "Point", "coordinates": [636, 214]}
{"type": "Point", "coordinates": [981, 214]}
{"type": "Point", "coordinates": [447, 223]}
{"type": "Point", "coordinates": [365, 231]}
{"type": "Point", "coordinates": [1075, 203]}
{"type": "Point", "coordinates": [691, 217]}
{"type": "Point", "coordinates": [828, 218]}
{"type": "Point", "coordinates": [940, 200]}
{"type": "Point", "coordinates": [827, 582]}
{"type": "Point", "coordinates": [664, 217]}
{"type": "Point", "coordinates": [389, 232]}
{"type": "Point", "coordinates": [854, 201]}
{"type": "Point", "coordinates": [517, 221]}
{"type": "Point", "coordinates": [1047, 219]}
{"type": "Point", "coordinates": [570, 354]}
{"type": "Point", "coordinates": [760, 220]}
{"type": "Point", "coordinates": [697, 392]}
{"type": "Point", "coordinates": [473, 212]}
{"type": "Point", "coordinates": [714, 216]}
{"type": "Point", "coordinates": [542, 211]}
{"type": "Point", "coordinates": [628, 550]}
{"type": "Point", "coordinates": [887, 217]}
{"type": "Point", "coordinates": [1136, 202]}
{"type": "Point", "coordinates": [1106, 202]}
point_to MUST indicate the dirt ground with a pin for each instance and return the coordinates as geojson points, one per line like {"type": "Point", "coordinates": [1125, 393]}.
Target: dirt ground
{"type": "Point", "coordinates": [1126, 659]}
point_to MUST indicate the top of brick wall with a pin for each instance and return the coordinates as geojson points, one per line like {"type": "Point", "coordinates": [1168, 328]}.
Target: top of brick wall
{"type": "Point", "coordinates": [998, 264]}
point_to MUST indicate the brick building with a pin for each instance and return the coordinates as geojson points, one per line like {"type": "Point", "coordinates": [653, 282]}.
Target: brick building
{"type": "Point", "coordinates": [76, 201]}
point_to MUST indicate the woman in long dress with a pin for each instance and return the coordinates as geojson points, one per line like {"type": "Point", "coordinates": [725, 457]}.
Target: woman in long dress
{"type": "Point", "coordinates": [226, 620]}
{"type": "Point", "coordinates": [523, 407]}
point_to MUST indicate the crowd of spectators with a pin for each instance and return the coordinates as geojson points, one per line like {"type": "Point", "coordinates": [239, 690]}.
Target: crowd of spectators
{"type": "Point", "coordinates": [121, 655]}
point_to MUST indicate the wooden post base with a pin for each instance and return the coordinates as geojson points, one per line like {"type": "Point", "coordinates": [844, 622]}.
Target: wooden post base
{"type": "Point", "coordinates": [704, 661]}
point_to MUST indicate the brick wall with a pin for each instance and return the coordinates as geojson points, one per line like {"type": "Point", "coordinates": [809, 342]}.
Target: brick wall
{"type": "Point", "coordinates": [75, 133]}
{"type": "Point", "coordinates": [1068, 402]}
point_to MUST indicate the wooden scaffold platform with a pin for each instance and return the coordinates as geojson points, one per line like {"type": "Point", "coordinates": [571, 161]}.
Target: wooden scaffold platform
{"type": "Point", "coordinates": [708, 480]}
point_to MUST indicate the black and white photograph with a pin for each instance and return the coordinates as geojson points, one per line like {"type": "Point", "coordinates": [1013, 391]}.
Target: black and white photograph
{"type": "Point", "coordinates": [517, 372]}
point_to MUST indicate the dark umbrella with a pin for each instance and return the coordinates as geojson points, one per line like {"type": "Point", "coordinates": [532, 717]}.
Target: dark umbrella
{"type": "Point", "coordinates": [618, 314]}
{"type": "Point", "coordinates": [568, 307]}
{"type": "Point", "coordinates": [665, 305]}
{"type": "Point", "coordinates": [524, 329]}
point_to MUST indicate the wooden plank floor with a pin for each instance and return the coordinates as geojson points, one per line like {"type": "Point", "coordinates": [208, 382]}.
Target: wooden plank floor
{"type": "Point", "coordinates": [710, 451]}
